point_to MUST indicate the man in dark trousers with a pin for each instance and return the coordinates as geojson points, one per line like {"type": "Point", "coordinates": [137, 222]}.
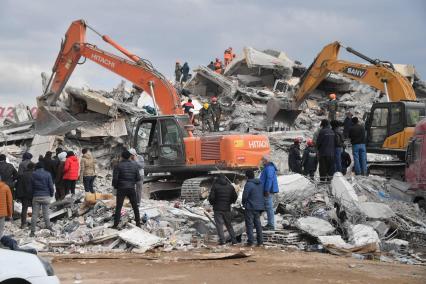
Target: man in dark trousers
{"type": "Point", "coordinates": [217, 113]}
{"type": "Point", "coordinates": [294, 157]}
{"type": "Point", "coordinates": [8, 172]}
{"type": "Point", "coordinates": [310, 159]}
{"type": "Point", "coordinates": [24, 191]}
{"type": "Point", "coordinates": [359, 152]}
{"type": "Point", "coordinates": [347, 124]}
{"type": "Point", "coordinates": [254, 203]}
{"type": "Point", "coordinates": [185, 72]}
{"type": "Point", "coordinates": [222, 195]}
{"type": "Point", "coordinates": [124, 178]}
{"type": "Point", "coordinates": [338, 145]}
{"type": "Point", "coordinates": [326, 145]}
{"type": "Point", "coordinates": [346, 161]}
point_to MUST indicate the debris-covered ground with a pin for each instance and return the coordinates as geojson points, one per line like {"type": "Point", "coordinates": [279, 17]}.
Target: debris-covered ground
{"type": "Point", "coordinates": [358, 217]}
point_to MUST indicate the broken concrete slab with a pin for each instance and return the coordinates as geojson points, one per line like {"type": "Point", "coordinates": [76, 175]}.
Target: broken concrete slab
{"type": "Point", "coordinates": [112, 128]}
{"type": "Point", "coordinates": [344, 193]}
{"type": "Point", "coordinates": [40, 145]}
{"type": "Point", "coordinates": [314, 226]}
{"type": "Point", "coordinates": [94, 101]}
{"type": "Point", "coordinates": [140, 239]}
{"type": "Point", "coordinates": [376, 211]}
{"type": "Point", "coordinates": [360, 235]}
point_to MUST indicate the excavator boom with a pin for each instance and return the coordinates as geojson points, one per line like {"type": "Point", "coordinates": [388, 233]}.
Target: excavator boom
{"type": "Point", "coordinates": [138, 71]}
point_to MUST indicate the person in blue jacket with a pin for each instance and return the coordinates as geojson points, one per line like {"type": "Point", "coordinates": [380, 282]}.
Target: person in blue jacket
{"type": "Point", "coordinates": [269, 181]}
{"type": "Point", "coordinates": [254, 204]}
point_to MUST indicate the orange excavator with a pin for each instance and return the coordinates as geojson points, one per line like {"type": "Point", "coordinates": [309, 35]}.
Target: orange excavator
{"type": "Point", "coordinates": [166, 140]}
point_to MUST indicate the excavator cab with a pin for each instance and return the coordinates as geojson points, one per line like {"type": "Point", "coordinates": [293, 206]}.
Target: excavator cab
{"type": "Point", "coordinates": [391, 124]}
{"type": "Point", "coordinates": [160, 140]}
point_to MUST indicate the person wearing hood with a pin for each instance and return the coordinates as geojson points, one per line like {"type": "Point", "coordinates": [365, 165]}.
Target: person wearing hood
{"type": "Point", "coordinates": [254, 204]}
{"type": "Point", "coordinates": [59, 181]}
{"type": "Point", "coordinates": [326, 151]}
{"type": "Point", "coordinates": [294, 158]}
{"type": "Point", "coordinates": [88, 170]}
{"type": "Point", "coordinates": [185, 72]}
{"type": "Point", "coordinates": [310, 159]}
{"type": "Point", "coordinates": [24, 191]}
{"type": "Point", "coordinates": [71, 172]}
{"type": "Point", "coordinates": [8, 172]}
{"type": "Point", "coordinates": [222, 195]}
{"type": "Point", "coordinates": [269, 181]}
{"type": "Point", "coordinates": [26, 159]}
{"type": "Point", "coordinates": [140, 162]}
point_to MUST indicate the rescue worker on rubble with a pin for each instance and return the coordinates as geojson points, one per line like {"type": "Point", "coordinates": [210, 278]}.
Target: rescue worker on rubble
{"type": "Point", "coordinates": [326, 151]}
{"type": "Point", "coordinates": [217, 112]}
{"type": "Point", "coordinates": [124, 179]}
{"type": "Point", "coordinates": [332, 107]}
{"type": "Point", "coordinates": [310, 159]}
{"type": "Point", "coordinates": [206, 117]}
{"type": "Point", "coordinates": [228, 56]}
{"type": "Point", "coordinates": [178, 71]}
{"type": "Point", "coordinates": [188, 108]}
{"type": "Point", "coordinates": [218, 66]}
{"type": "Point", "coordinates": [211, 65]}
{"type": "Point", "coordinates": [221, 196]}
{"type": "Point", "coordinates": [294, 157]}
{"type": "Point", "coordinates": [185, 72]}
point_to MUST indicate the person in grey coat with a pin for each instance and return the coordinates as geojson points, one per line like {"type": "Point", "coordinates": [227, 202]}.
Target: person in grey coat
{"type": "Point", "coordinates": [254, 203]}
{"type": "Point", "coordinates": [139, 160]}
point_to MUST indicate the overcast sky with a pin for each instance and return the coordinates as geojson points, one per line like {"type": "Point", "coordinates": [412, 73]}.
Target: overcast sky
{"type": "Point", "coordinates": [198, 31]}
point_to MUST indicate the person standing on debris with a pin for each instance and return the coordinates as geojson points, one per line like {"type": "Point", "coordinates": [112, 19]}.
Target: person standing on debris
{"type": "Point", "coordinates": [42, 189]}
{"type": "Point", "coordinates": [227, 56]}
{"type": "Point", "coordinates": [217, 113]}
{"type": "Point", "coordinates": [71, 172]}
{"type": "Point", "coordinates": [346, 161]}
{"type": "Point", "coordinates": [187, 106]}
{"type": "Point", "coordinates": [254, 204]}
{"type": "Point", "coordinates": [49, 164]}
{"type": "Point", "coordinates": [347, 124]}
{"type": "Point", "coordinates": [221, 196]}
{"type": "Point", "coordinates": [310, 159]}
{"type": "Point", "coordinates": [59, 181]}
{"type": "Point", "coordinates": [211, 65]}
{"type": "Point", "coordinates": [24, 191]}
{"type": "Point", "coordinates": [269, 181]}
{"type": "Point", "coordinates": [88, 170]}
{"type": "Point", "coordinates": [26, 159]}
{"type": "Point", "coordinates": [294, 158]}
{"type": "Point", "coordinates": [206, 117]}
{"type": "Point", "coordinates": [6, 205]}
{"type": "Point", "coordinates": [326, 151]}
{"type": "Point", "coordinates": [218, 67]}
{"type": "Point", "coordinates": [124, 179]}
{"type": "Point", "coordinates": [140, 162]}
{"type": "Point", "coordinates": [8, 172]}
{"type": "Point", "coordinates": [338, 144]}
{"type": "Point", "coordinates": [178, 71]}
{"type": "Point", "coordinates": [359, 152]}
{"type": "Point", "coordinates": [332, 107]}
{"type": "Point", "coordinates": [185, 72]}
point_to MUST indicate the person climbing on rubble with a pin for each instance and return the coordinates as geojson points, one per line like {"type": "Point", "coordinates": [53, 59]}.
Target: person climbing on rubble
{"type": "Point", "coordinates": [359, 152]}
{"type": "Point", "coordinates": [347, 124]}
{"type": "Point", "coordinates": [8, 173]}
{"type": "Point", "coordinates": [326, 151]}
{"type": "Point", "coordinates": [26, 159]}
{"type": "Point", "coordinates": [294, 157]}
{"type": "Point", "coordinates": [346, 160]}
{"type": "Point", "coordinates": [254, 203]}
{"type": "Point", "coordinates": [310, 159]}
{"type": "Point", "coordinates": [338, 145]}
{"type": "Point", "coordinates": [211, 65]}
{"type": "Point", "coordinates": [24, 191]}
{"type": "Point", "coordinates": [124, 179]}
{"type": "Point", "coordinates": [42, 190]}
{"type": "Point", "coordinates": [187, 106]}
{"type": "Point", "coordinates": [185, 72]}
{"type": "Point", "coordinates": [59, 181]}
{"type": "Point", "coordinates": [218, 66]}
{"type": "Point", "coordinates": [178, 72]}
{"type": "Point", "coordinates": [206, 117]}
{"type": "Point", "coordinates": [6, 204]}
{"type": "Point", "coordinates": [332, 107]}
{"type": "Point", "coordinates": [88, 170]}
{"type": "Point", "coordinates": [71, 172]}
{"type": "Point", "coordinates": [222, 195]}
{"type": "Point", "coordinates": [140, 162]}
{"type": "Point", "coordinates": [217, 113]}
{"type": "Point", "coordinates": [269, 181]}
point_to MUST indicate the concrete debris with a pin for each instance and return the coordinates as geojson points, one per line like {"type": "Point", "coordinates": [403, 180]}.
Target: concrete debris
{"type": "Point", "coordinates": [140, 239]}
{"type": "Point", "coordinates": [361, 235]}
{"type": "Point", "coordinates": [314, 226]}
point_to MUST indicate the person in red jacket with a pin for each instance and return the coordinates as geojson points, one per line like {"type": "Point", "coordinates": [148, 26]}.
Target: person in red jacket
{"type": "Point", "coordinates": [71, 172]}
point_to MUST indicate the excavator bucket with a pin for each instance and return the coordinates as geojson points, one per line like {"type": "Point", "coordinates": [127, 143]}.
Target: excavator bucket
{"type": "Point", "coordinates": [281, 110]}
{"type": "Point", "coordinates": [55, 121]}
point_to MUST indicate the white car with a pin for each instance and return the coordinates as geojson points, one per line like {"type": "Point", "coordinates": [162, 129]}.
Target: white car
{"type": "Point", "coordinates": [25, 268]}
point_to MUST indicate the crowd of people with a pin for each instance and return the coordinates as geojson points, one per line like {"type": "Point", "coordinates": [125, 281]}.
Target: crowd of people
{"type": "Point", "coordinates": [209, 115]}
{"type": "Point", "coordinates": [328, 147]}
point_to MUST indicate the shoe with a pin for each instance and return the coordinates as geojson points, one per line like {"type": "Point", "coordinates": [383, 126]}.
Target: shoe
{"type": "Point", "coordinates": [32, 235]}
{"type": "Point", "coordinates": [260, 245]}
{"type": "Point", "coordinates": [221, 243]}
{"type": "Point", "coordinates": [115, 227]}
{"type": "Point", "coordinates": [248, 244]}
{"type": "Point", "coordinates": [268, 228]}
{"type": "Point", "coordinates": [138, 225]}
{"type": "Point", "coordinates": [22, 226]}
{"type": "Point", "coordinates": [234, 243]}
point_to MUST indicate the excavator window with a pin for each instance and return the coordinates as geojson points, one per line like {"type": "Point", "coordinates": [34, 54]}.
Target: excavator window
{"type": "Point", "coordinates": [379, 125]}
{"type": "Point", "coordinates": [396, 118]}
{"type": "Point", "coordinates": [171, 147]}
{"type": "Point", "coordinates": [414, 115]}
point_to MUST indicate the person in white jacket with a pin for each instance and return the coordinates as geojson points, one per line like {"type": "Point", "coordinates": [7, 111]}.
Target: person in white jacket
{"type": "Point", "coordinates": [138, 159]}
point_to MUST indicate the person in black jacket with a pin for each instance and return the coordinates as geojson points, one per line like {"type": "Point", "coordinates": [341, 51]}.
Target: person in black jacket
{"type": "Point", "coordinates": [125, 176]}
{"type": "Point", "coordinates": [326, 145]}
{"type": "Point", "coordinates": [8, 172]}
{"type": "Point", "coordinates": [254, 203]}
{"type": "Point", "coordinates": [346, 161]}
{"type": "Point", "coordinates": [50, 164]}
{"type": "Point", "coordinates": [222, 195]}
{"type": "Point", "coordinates": [359, 152]}
{"type": "Point", "coordinates": [347, 124]}
{"type": "Point", "coordinates": [338, 145]}
{"type": "Point", "coordinates": [294, 158]}
{"type": "Point", "coordinates": [310, 159]}
{"type": "Point", "coordinates": [24, 191]}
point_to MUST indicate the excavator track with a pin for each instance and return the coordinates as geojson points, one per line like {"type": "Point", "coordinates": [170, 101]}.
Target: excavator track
{"type": "Point", "coordinates": [192, 188]}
